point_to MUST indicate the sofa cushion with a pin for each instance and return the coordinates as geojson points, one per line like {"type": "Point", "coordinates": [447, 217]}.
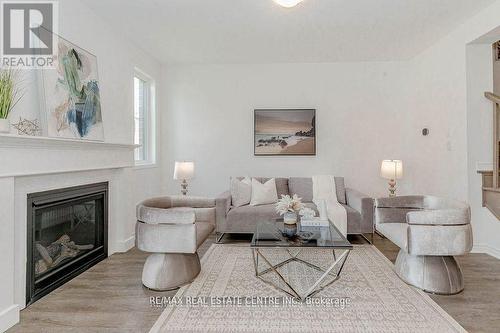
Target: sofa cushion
{"type": "Point", "coordinates": [302, 186]}
{"type": "Point", "coordinates": [245, 218]}
{"type": "Point", "coordinates": [281, 184]}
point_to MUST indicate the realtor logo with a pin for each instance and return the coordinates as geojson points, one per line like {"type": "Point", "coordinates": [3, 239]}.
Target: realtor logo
{"type": "Point", "coordinates": [29, 33]}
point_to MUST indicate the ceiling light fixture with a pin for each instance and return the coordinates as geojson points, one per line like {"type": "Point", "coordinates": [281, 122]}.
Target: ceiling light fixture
{"type": "Point", "coordinates": [288, 3]}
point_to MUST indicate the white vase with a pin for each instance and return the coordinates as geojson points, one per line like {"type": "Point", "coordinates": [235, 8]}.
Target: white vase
{"type": "Point", "coordinates": [4, 126]}
{"type": "Point", "coordinates": [290, 218]}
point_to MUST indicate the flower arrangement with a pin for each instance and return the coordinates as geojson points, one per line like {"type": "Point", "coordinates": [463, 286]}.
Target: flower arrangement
{"type": "Point", "coordinates": [288, 204]}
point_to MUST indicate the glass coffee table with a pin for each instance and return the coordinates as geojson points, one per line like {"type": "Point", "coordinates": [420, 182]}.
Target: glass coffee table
{"type": "Point", "coordinates": [276, 245]}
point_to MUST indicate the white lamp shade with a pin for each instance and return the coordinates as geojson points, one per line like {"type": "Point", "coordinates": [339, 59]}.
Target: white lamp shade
{"type": "Point", "coordinates": [391, 169]}
{"type": "Point", "coordinates": [184, 170]}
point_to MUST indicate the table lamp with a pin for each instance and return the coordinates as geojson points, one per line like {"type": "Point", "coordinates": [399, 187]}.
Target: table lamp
{"type": "Point", "coordinates": [392, 170]}
{"type": "Point", "coordinates": [184, 171]}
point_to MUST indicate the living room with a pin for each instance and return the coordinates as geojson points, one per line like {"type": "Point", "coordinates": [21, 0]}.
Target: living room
{"type": "Point", "coordinates": [151, 151]}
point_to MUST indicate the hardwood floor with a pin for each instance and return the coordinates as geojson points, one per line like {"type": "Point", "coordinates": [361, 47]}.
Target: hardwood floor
{"type": "Point", "coordinates": [110, 298]}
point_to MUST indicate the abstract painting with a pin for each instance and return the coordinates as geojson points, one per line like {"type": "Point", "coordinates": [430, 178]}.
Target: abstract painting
{"type": "Point", "coordinates": [285, 132]}
{"type": "Point", "coordinates": [71, 94]}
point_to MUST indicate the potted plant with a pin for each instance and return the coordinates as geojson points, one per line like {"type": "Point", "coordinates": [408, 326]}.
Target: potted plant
{"type": "Point", "coordinates": [288, 207]}
{"type": "Point", "coordinates": [10, 94]}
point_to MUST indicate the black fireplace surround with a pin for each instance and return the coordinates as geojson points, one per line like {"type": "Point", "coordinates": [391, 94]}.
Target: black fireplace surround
{"type": "Point", "coordinates": [67, 234]}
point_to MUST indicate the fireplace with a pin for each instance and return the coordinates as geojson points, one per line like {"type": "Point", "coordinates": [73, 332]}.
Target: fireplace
{"type": "Point", "coordinates": [67, 234]}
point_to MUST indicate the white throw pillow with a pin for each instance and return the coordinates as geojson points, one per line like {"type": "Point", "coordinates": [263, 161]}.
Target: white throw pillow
{"type": "Point", "coordinates": [241, 191]}
{"type": "Point", "coordinates": [263, 194]}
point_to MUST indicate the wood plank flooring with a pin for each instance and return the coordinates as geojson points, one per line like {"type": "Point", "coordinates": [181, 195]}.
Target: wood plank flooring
{"type": "Point", "coordinates": [110, 298]}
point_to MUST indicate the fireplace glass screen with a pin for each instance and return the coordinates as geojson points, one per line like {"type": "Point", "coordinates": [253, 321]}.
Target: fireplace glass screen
{"type": "Point", "coordinates": [66, 235]}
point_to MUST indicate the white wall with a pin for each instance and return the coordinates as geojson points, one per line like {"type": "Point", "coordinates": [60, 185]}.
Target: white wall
{"type": "Point", "coordinates": [452, 77]}
{"type": "Point", "coordinates": [116, 61]}
{"type": "Point", "coordinates": [117, 58]}
{"type": "Point", "coordinates": [366, 112]}
{"type": "Point", "coordinates": [360, 117]}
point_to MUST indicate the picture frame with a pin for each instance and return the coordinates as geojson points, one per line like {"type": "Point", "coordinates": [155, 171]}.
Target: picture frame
{"type": "Point", "coordinates": [72, 109]}
{"type": "Point", "coordinates": [285, 132]}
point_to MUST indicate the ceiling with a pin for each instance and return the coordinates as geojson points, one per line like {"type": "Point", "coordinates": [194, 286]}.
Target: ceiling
{"type": "Point", "coordinates": [259, 31]}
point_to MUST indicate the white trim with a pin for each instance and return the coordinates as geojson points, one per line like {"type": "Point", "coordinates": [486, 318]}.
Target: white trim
{"type": "Point", "coordinates": [61, 171]}
{"type": "Point", "coordinates": [150, 121]}
{"type": "Point", "coordinates": [145, 165]}
{"type": "Point", "coordinates": [125, 245]}
{"type": "Point", "coordinates": [9, 317]}
{"type": "Point", "coordinates": [29, 142]}
{"type": "Point", "coordinates": [484, 166]}
{"type": "Point", "coordinates": [487, 249]}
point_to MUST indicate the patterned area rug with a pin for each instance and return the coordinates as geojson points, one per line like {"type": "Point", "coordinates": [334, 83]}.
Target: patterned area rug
{"type": "Point", "coordinates": [368, 297]}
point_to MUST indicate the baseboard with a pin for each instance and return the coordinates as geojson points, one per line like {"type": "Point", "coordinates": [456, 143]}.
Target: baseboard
{"type": "Point", "coordinates": [125, 245]}
{"type": "Point", "coordinates": [9, 317]}
{"type": "Point", "coordinates": [483, 248]}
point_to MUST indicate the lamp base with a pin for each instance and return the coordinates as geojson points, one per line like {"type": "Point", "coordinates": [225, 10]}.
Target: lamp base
{"type": "Point", "coordinates": [392, 188]}
{"type": "Point", "coordinates": [184, 186]}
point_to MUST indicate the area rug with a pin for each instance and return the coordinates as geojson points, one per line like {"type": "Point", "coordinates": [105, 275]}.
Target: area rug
{"type": "Point", "coordinates": [368, 297]}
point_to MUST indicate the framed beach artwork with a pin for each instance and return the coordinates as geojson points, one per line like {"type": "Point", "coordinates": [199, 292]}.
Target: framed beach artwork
{"type": "Point", "coordinates": [71, 95]}
{"type": "Point", "coordinates": [285, 132]}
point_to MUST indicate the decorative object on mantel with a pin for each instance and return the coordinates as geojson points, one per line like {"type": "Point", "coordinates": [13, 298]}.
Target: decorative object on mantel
{"type": "Point", "coordinates": [184, 171]}
{"type": "Point", "coordinates": [10, 94]}
{"type": "Point", "coordinates": [392, 170]}
{"type": "Point", "coordinates": [288, 207]}
{"type": "Point", "coordinates": [285, 132]}
{"type": "Point", "coordinates": [28, 127]}
{"type": "Point", "coordinates": [71, 95]}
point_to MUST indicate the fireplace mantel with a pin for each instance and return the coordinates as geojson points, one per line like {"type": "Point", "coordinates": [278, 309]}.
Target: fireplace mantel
{"type": "Point", "coordinates": [27, 155]}
{"type": "Point", "coordinates": [29, 142]}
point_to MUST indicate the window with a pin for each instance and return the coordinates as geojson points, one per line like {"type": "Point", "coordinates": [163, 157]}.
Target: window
{"type": "Point", "coordinates": [144, 119]}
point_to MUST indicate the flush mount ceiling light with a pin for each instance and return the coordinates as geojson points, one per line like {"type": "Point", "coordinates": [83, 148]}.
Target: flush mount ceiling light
{"type": "Point", "coordinates": [288, 3]}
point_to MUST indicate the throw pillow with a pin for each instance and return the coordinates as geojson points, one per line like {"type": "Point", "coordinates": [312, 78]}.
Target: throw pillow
{"type": "Point", "coordinates": [263, 194]}
{"type": "Point", "coordinates": [241, 191]}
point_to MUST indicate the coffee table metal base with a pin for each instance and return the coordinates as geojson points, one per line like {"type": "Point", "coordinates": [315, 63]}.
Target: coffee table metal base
{"type": "Point", "coordinates": [316, 287]}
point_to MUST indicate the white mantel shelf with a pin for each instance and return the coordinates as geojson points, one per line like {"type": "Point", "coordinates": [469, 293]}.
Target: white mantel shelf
{"type": "Point", "coordinates": [30, 142]}
{"type": "Point", "coordinates": [34, 155]}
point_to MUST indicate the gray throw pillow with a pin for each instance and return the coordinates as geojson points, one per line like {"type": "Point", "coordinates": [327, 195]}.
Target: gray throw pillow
{"type": "Point", "coordinates": [241, 191]}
